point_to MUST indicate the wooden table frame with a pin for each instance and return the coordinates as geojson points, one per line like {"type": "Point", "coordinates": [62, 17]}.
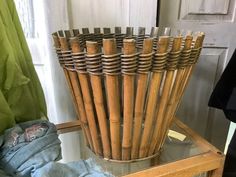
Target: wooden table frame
{"type": "Point", "coordinates": [212, 161]}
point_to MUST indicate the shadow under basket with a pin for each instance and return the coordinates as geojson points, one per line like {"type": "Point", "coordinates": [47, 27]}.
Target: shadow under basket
{"type": "Point", "coordinates": [126, 88]}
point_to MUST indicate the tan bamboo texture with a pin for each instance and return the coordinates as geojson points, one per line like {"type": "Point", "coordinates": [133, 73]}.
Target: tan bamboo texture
{"type": "Point", "coordinates": [194, 55]}
{"type": "Point", "coordinates": [79, 98]}
{"type": "Point", "coordinates": [155, 83]}
{"type": "Point", "coordinates": [177, 83]}
{"type": "Point", "coordinates": [79, 56]}
{"type": "Point", "coordinates": [73, 83]}
{"type": "Point", "coordinates": [170, 67]}
{"type": "Point", "coordinates": [126, 87]}
{"type": "Point", "coordinates": [94, 65]}
{"type": "Point", "coordinates": [193, 59]}
{"type": "Point", "coordinates": [185, 68]}
{"type": "Point", "coordinates": [129, 66]}
{"type": "Point", "coordinates": [144, 65]}
{"type": "Point", "coordinates": [111, 68]}
{"type": "Point", "coordinates": [62, 50]}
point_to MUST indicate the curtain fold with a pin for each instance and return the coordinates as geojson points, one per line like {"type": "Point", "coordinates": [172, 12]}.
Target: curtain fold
{"type": "Point", "coordinates": [51, 16]}
{"type": "Point", "coordinates": [21, 95]}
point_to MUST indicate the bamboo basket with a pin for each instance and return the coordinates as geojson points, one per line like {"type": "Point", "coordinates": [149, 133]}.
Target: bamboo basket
{"type": "Point", "coordinates": [126, 88]}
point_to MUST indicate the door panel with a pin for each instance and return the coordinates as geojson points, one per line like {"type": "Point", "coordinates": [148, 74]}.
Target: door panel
{"type": "Point", "coordinates": [207, 10]}
{"type": "Point", "coordinates": [208, 7]}
{"type": "Point", "coordinates": [217, 19]}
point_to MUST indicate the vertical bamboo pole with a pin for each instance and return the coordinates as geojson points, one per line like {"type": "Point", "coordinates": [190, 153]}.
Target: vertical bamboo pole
{"type": "Point", "coordinates": [87, 97]}
{"type": "Point", "coordinates": [113, 96]}
{"type": "Point", "coordinates": [79, 100]}
{"type": "Point", "coordinates": [107, 33]}
{"type": "Point", "coordinates": [98, 36]}
{"type": "Point", "coordinates": [65, 47]}
{"type": "Point", "coordinates": [140, 94]}
{"type": "Point", "coordinates": [129, 32]}
{"type": "Point", "coordinates": [119, 37]}
{"type": "Point", "coordinates": [152, 99]}
{"type": "Point", "coordinates": [90, 113]}
{"type": "Point", "coordinates": [177, 83]}
{"type": "Point", "coordinates": [197, 45]}
{"type": "Point", "coordinates": [140, 37]}
{"type": "Point", "coordinates": [129, 52]}
{"type": "Point", "coordinates": [57, 45]}
{"type": "Point", "coordinates": [94, 52]}
{"type": "Point", "coordinates": [187, 73]}
{"type": "Point", "coordinates": [182, 85]}
{"type": "Point", "coordinates": [165, 94]}
{"type": "Point", "coordinates": [154, 35]}
{"type": "Point", "coordinates": [73, 83]}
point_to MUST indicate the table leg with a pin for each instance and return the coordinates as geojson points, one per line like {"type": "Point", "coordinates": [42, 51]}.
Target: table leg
{"type": "Point", "coordinates": [217, 172]}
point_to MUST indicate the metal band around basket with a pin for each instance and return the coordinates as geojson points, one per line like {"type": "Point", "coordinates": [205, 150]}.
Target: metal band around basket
{"type": "Point", "coordinates": [78, 53]}
{"type": "Point", "coordinates": [129, 64]}
{"type": "Point", "coordinates": [172, 60]}
{"type": "Point", "coordinates": [79, 62]}
{"type": "Point", "coordinates": [108, 67]}
{"type": "Point", "coordinates": [66, 51]}
{"type": "Point", "coordinates": [71, 69]}
{"type": "Point", "coordinates": [129, 161]}
{"type": "Point", "coordinates": [145, 62]}
{"type": "Point", "coordinates": [111, 56]}
{"type": "Point", "coordinates": [94, 63]}
{"type": "Point", "coordinates": [146, 55]}
{"type": "Point", "coordinates": [193, 56]}
{"type": "Point", "coordinates": [184, 57]}
{"type": "Point", "coordinates": [93, 55]}
{"type": "Point", "coordinates": [159, 62]}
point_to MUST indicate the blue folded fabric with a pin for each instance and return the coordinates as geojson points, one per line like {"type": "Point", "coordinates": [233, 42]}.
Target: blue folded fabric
{"type": "Point", "coordinates": [80, 168]}
{"type": "Point", "coordinates": [32, 149]}
{"type": "Point", "coordinates": [29, 146]}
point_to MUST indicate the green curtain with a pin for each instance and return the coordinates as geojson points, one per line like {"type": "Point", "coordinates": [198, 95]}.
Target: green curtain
{"type": "Point", "coordinates": [21, 95]}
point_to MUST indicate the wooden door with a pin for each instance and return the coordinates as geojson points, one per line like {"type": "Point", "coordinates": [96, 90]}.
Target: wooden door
{"type": "Point", "coordinates": [217, 19]}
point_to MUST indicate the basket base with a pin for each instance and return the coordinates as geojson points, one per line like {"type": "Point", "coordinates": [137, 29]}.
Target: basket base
{"type": "Point", "coordinates": [128, 161]}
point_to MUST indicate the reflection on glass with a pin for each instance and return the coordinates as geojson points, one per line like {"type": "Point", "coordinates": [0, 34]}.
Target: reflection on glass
{"type": "Point", "coordinates": [73, 148]}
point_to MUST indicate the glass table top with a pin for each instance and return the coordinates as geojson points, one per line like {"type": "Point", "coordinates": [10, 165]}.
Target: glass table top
{"type": "Point", "coordinates": [74, 148]}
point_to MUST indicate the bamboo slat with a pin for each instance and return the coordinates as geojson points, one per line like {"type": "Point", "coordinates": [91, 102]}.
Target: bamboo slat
{"type": "Point", "coordinates": [154, 87]}
{"type": "Point", "coordinates": [197, 45]}
{"type": "Point", "coordinates": [188, 71]}
{"type": "Point", "coordinates": [64, 47]}
{"type": "Point", "coordinates": [73, 84]}
{"type": "Point", "coordinates": [87, 99]}
{"type": "Point", "coordinates": [129, 66]}
{"type": "Point", "coordinates": [142, 79]}
{"type": "Point", "coordinates": [113, 97]}
{"type": "Point", "coordinates": [80, 105]}
{"type": "Point", "coordinates": [177, 83]}
{"type": "Point", "coordinates": [94, 65]}
{"type": "Point", "coordinates": [171, 66]}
